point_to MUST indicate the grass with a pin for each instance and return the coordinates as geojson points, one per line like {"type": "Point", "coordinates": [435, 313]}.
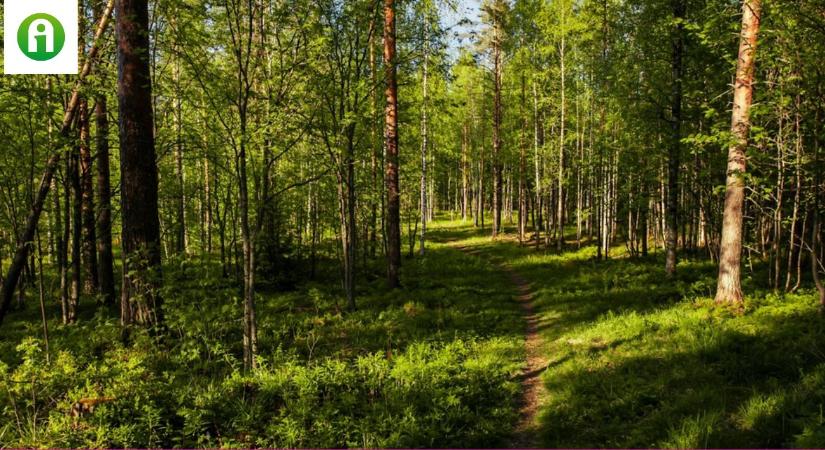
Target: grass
{"type": "Point", "coordinates": [433, 364]}
{"type": "Point", "coordinates": [634, 359]}
{"type": "Point", "coordinates": [637, 360]}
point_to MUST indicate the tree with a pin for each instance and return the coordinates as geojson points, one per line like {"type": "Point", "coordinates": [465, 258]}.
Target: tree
{"type": "Point", "coordinates": [424, 132]}
{"type": "Point", "coordinates": [141, 301]}
{"type": "Point", "coordinates": [391, 145]}
{"type": "Point", "coordinates": [729, 286]}
{"type": "Point", "coordinates": [495, 11]}
{"type": "Point", "coordinates": [106, 275]}
{"type": "Point", "coordinates": [27, 235]}
{"type": "Point", "coordinates": [87, 208]}
{"type": "Point", "coordinates": [675, 148]}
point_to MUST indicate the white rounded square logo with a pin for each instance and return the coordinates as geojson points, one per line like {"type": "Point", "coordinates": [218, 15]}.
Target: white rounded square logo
{"type": "Point", "coordinates": [40, 37]}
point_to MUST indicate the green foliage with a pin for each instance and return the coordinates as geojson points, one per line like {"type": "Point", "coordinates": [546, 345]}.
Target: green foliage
{"type": "Point", "coordinates": [432, 366]}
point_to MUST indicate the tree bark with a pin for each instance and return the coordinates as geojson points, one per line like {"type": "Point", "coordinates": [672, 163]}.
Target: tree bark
{"type": "Point", "coordinates": [672, 225]}
{"type": "Point", "coordinates": [87, 208]}
{"type": "Point", "coordinates": [77, 218]}
{"type": "Point", "coordinates": [104, 219]}
{"type": "Point", "coordinates": [497, 163]}
{"type": "Point", "coordinates": [391, 145]}
{"type": "Point", "coordinates": [561, 175]}
{"type": "Point", "coordinates": [424, 140]}
{"type": "Point", "coordinates": [522, 166]}
{"type": "Point", "coordinates": [140, 299]}
{"type": "Point", "coordinates": [729, 287]}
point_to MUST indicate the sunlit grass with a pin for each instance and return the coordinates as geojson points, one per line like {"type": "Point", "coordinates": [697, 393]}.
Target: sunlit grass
{"type": "Point", "coordinates": [638, 360]}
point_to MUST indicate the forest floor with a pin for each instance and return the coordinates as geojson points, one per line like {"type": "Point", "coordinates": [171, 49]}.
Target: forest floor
{"type": "Point", "coordinates": [636, 360]}
{"type": "Point", "coordinates": [616, 355]}
{"type": "Point", "coordinates": [525, 434]}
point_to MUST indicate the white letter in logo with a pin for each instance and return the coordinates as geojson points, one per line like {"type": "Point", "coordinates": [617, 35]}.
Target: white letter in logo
{"type": "Point", "coordinates": [38, 28]}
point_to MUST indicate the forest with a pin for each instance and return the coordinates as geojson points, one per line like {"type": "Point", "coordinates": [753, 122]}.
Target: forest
{"type": "Point", "coordinates": [418, 223]}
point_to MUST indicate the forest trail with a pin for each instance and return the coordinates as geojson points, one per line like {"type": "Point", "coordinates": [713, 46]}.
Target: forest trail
{"type": "Point", "coordinates": [525, 434]}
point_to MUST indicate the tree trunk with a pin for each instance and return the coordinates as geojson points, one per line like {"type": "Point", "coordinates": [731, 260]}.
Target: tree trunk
{"type": "Point", "coordinates": [140, 298]}
{"type": "Point", "coordinates": [106, 275]}
{"type": "Point", "coordinates": [375, 151]}
{"type": "Point", "coordinates": [522, 166]}
{"type": "Point", "coordinates": [180, 207]}
{"type": "Point", "coordinates": [538, 141]}
{"type": "Point", "coordinates": [424, 140]}
{"type": "Point", "coordinates": [497, 163]}
{"type": "Point", "coordinates": [561, 174]}
{"type": "Point", "coordinates": [465, 168]}
{"type": "Point", "coordinates": [77, 218]}
{"type": "Point", "coordinates": [672, 225]}
{"type": "Point", "coordinates": [91, 280]}
{"type": "Point", "coordinates": [391, 145]}
{"type": "Point", "coordinates": [729, 288]}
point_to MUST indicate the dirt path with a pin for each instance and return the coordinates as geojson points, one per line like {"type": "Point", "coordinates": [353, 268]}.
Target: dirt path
{"type": "Point", "coordinates": [526, 432]}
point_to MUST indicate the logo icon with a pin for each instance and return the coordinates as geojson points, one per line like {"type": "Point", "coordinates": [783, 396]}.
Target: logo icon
{"type": "Point", "coordinates": [41, 36]}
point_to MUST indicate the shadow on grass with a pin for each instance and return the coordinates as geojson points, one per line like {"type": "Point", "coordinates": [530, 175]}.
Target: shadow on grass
{"type": "Point", "coordinates": [721, 388]}
{"type": "Point", "coordinates": [639, 360]}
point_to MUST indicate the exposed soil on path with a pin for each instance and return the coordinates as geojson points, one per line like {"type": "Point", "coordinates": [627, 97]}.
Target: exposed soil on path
{"type": "Point", "coordinates": [526, 432]}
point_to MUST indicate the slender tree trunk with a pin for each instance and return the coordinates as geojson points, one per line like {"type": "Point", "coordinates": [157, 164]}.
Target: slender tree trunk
{"type": "Point", "coordinates": [42, 292]}
{"type": "Point", "coordinates": [77, 225]}
{"type": "Point", "coordinates": [538, 141]}
{"type": "Point", "coordinates": [89, 242]}
{"type": "Point", "coordinates": [497, 163]}
{"type": "Point", "coordinates": [729, 288]}
{"type": "Point", "coordinates": [522, 166]}
{"type": "Point", "coordinates": [180, 206]}
{"type": "Point", "coordinates": [391, 145]}
{"type": "Point", "coordinates": [63, 243]}
{"type": "Point", "coordinates": [250, 336]}
{"type": "Point", "coordinates": [792, 248]}
{"type": "Point", "coordinates": [672, 221]}
{"type": "Point", "coordinates": [140, 299]}
{"type": "Point", "coordinates": [562, 126]}
{"type": "Point", "coordinates": [347, 196]}
{"type": "Point", "coordinates": [375, 151]}
{"type": "Point", "coordinates": [465, 169]}
{"type": "Point", "coordinates": [207, 198]}
{"type": "Point", "coordinates": [104, 217]}
{"type": "Point", "coordinates": [424, 138]}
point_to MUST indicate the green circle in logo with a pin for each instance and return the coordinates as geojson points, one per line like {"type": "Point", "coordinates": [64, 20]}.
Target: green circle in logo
{"type": "Point", "coordinates": [41, 37]}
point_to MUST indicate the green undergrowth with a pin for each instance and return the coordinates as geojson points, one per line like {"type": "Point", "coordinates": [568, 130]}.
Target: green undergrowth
{"type": "Point", "coordinates": [638, 360]}
{"type": "Point", "coordinates": [634, 359]}
{"type": "Point", "coordinates": [430, 365]}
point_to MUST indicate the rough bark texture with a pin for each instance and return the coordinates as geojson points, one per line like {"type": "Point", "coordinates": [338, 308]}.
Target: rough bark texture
{"type": "Point", "coordinates": [729, 287]}
{"type": "Point", "coordinates": [106, 276]}
{"type": "Point", "coordinates": [140, 298]}
{"type": "Point", "coordinates": [87, 205]}
{"type": "Point", "coordinates": [391, 144]}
